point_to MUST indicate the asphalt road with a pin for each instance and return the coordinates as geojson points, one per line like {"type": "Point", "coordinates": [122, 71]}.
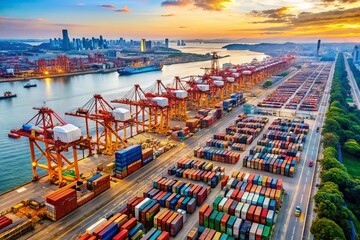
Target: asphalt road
{"type": "Point", "coordinates": [294, 227]}
{"type": "Point", "coordinates": [354, 87]}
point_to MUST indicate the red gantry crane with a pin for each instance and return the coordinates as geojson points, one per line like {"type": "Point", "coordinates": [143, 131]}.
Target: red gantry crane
{"type": "Point", "coordinates": [151, 114]}
{"type": "Point", "coordinates": [51, 136]}
{"type": "Point", "coordinates": [107, 138]}
{"type": "Point", "coordinates": [199, 94]}
{"type": "Point", "coordinates": [177, 99]}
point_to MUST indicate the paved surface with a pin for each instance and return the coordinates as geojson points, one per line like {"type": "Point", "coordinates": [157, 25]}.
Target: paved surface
{"type": "Point", "coordinates": [294, 227]}
{"type": "Point", "coordinates": [76, 222]}
{"type": "Point", "coordinates": [354, 87]}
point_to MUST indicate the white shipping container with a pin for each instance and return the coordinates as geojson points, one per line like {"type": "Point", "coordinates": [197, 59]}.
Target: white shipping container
{"type": "Point", "coordinates": [180, 93]}
{"type": "Point", "coordinates": [183, 213]}
{"type": "Point", "coordinates": [228, 195]}
{"type": "Point", "coordinates": [235, 74]}
{"type": "Point", "coordinates": [244, 211]}
{"type": "Point", "coordinates": [244, 197]}
{"type": "Point", "coordinates": [137, 207]}
{"type": "Point", "coordinates": [222, 204]}
{"type": "Point", "coordinates": [203, 87]}
{"type": "Point", "coordinates": [266, 203]}
{"type": "Point", "coordinates": [230, 79]}
{"type": "Point", "coordinates": [91, 229]}
{"type": "Point", "coordinates": [161, 101]}
{"type": "Point", "coordinates": [228, 185]}
{"type": "Point", "coordinates": [246, 177]}
{"type": "Point", "coordinates": [67, 133]}
{"type": "Point", "coordinates": [236, 228]}
{"type": "Point", "coordinates": [219, 83]}
{"type": "Point", "coordinates": [121, 114]}
{"type": "Point", "coordinates": [255, 199]}
{"type": "Point", "coordinates": [238, 209]}
{"type": "Point", "coordinates": [253, 230]}
{"type": "Point", "coordinates": [246, 72]}
{"type": "Point", "coordinates": [250, 197]}
{"type": "Point", "coordinates": [218, 78]}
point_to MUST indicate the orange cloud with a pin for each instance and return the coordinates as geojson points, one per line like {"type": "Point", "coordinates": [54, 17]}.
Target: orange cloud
{"type": "Point", "coordinates": [211, 5]}
{"type": "Point", "coordinates": [123, 9]}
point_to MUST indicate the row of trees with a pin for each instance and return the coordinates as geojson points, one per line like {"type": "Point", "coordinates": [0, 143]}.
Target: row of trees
{"type": "Point", "coordinates": [342, 126]}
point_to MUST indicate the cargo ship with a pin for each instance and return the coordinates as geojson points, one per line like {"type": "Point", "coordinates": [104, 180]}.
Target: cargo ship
{"type": "Point", "coordinates": [134, 70]}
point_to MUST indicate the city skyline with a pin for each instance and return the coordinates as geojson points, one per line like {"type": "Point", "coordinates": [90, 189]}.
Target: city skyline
{"type": "Point", "coordinates": [304, 20]}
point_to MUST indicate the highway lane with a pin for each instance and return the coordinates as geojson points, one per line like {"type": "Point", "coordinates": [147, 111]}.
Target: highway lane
{"type": "Point", "coordinates": [354, 87]}
{"type": "Point", "coordinates": [294, 227]}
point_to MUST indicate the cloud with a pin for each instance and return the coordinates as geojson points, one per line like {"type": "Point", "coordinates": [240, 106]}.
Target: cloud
{"type": "Point", "coordinates": [80, 4]}
{"type": "Point", "coordinates": [211, 5]}
{"type": "Point", "coordinates": [339, 1]}
{"type": "Point", "coordinates": [168, 15]}
{"type": "Point", "coordinates": [123, 9]}
{"type": "Point", "coordinates": [278, 15]}
{"type": "Point", "coordinates": [107, 6]}
{"type": "Point", "coordinates": [183, 27]}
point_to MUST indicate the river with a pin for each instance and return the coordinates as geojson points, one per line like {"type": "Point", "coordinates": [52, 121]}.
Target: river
{"type": "Point", "coordinates": [68, 93]}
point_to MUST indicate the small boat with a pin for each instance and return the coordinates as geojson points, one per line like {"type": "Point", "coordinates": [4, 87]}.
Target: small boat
{"type": "Point", "coordinates": [7, 94]}
{"type": "Point", "coordinates": [14, 135]}
{"type": "Point", "coordinates": [29, 85]}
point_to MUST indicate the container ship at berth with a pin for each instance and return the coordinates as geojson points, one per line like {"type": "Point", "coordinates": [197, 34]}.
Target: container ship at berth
{"type": "Point", "coordinates": [134, 70]}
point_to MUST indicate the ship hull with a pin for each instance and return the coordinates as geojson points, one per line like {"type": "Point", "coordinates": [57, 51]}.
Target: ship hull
{"type": "Point", "coordinates": [125, 71]}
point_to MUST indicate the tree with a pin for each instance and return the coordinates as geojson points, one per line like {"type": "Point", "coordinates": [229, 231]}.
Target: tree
{"type": "Point", "coordinates": [330, 140]}
{"type": "Point", "coordinates": [326, 209]}
{"type": "Point", "coordinates": [352, 147]}
{"type": "Point", "coordinates": [330, 152]}
{"type": "Point", "coordinates": [325, 229]}
{"type": "Point", "coordinates": [330, 162]}
{"type": "Point", "coordinates": [337, 176]}
{"type": "Point", "coordinates": [267, 84]}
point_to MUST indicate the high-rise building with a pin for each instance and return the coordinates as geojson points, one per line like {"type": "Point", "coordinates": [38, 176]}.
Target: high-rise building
{"type": "Point", "coordinates": [101, 42]}
{"type": "Point", "coordinates": [318, 49]}
{"type": "Point", "coordinates": [148, 45]}
{"type": "Point", "coordinates": [66, 40]}
{"type": "Point", "coordinates": [166, 42]}
{"type": "Point", "coordinates": [356, 54]}
{"type": "Point", "coordinates": [143, 45]}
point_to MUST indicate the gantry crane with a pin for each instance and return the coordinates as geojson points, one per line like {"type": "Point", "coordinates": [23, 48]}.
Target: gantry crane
{"type": "Point", "coordinates": [177, 99]}
{"type": "Point", "coordinates": [151, 114]}
{"type": "Point", "coordinates": [40, 132]}
{"type": "Point", "coordinates": [199, 94]}
{"type": "Point", "coordinates": [107, 138]}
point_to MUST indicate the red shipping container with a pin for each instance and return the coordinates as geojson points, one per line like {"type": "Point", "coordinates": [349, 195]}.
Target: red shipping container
{"type": "Point", "coordinates": [129, 224]}
{"type": "Point", "coordinates": [85, 236]}
{"type": "Point", "coordinates": [164, 236]}
{"type": "Point", "coordinates": [122, 235]}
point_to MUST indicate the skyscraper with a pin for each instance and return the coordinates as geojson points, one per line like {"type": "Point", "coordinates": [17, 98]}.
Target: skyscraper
{"type": "Point", "coordinates": [101, 42]}
{"type": "Point", "coordinates": [148, 45]}
{"type": "Point", "coordinates": [356, 54]}
{"type": "Point", "coordinates": [166, 42]}
{"type": "Point", "coordinates": [66, 41]}
{"type": "Point", "coordinates": [143, 45]}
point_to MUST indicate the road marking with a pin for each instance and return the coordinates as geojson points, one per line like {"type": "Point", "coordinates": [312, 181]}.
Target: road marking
{"type": "Point", "coordinates": [304, 188]}
{"type": "Point", "coordinates": [302, 195]}
{"type": "Point", "coordinates": [293, 230]}
{"type": "Point", "coordinates": [307, 173]}
{"type": "Point", "coordinates": [306, 179]}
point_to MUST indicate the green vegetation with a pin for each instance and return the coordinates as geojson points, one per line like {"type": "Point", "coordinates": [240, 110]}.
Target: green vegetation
{"type": "Point", "coordinates": [325, 229]}
{"type": "Point", "coordinates": [352, 164]}
{"type": "Point", "coordinates": [267, 84]}
{"type": "Point", "coordinates": [284, 74]}
{"type": "Point", "coordinates": [342, 126]}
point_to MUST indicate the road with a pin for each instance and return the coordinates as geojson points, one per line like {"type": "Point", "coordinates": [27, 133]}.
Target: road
{"type": "Point", "coordinates": [294, 227]}
{"type": "Point", "coordinates": [354, 87]}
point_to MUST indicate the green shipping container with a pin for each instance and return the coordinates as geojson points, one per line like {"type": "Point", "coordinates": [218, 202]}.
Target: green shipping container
{"type": "Point", "coordinates": [212, 219]}
{"type": "Point", "coordinates": [216, 202]}
{"type": "Point", "coordinates": [224, 236]}
{"type": "Point", "coordinates": [218, 221]}
{"type": "Point", "coordinates": [230, 225]}
{"type": "Point", "coordinates": [266, 233]}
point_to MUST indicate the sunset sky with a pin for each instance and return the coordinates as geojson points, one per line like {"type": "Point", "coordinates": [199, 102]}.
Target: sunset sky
{"type": "Point", "coordinates": [335, 20]}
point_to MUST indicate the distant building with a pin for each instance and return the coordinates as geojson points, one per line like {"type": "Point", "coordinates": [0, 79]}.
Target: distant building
{"type": "Point", "coordinates": [143, 45]}
{"type": "Point", "coordinates": [166, 42]}
{"type": "Point", "coordinates": [66, 40]}
{"type": "Point", "coordinates": [101, 42]}
{"type": "Point", "coordinates": [181, 43]}
{"type": "Point", "coordinates": [356, 54]}
{"type": "Point", "coordinates": [148, 45]}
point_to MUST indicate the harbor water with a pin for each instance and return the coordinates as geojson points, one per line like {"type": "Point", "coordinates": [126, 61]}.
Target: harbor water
{"type": "Point", "coordinates": [66, 94]}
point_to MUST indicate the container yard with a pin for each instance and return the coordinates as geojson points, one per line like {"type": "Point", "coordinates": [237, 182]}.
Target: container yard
{"type": "Point", "coordinates": [182, 196]}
